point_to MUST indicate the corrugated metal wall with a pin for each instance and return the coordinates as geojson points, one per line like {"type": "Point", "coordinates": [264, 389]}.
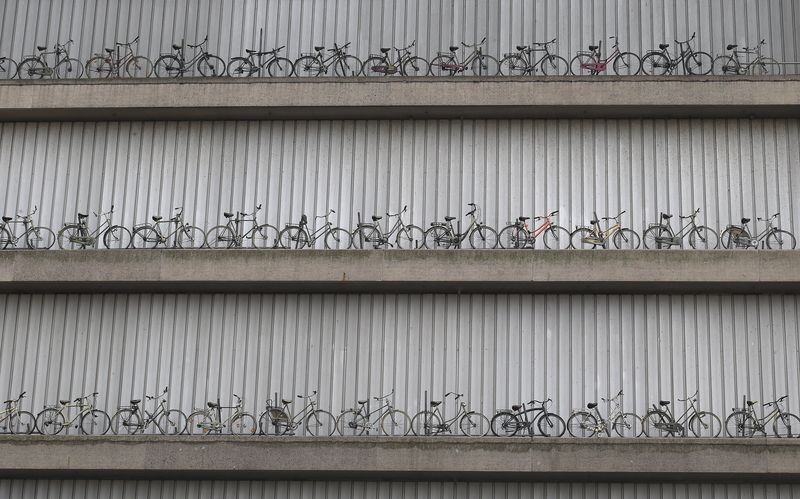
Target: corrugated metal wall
{"type": "Point", "coordinates": [96, 489]}
{"type": "Point", "coordinates": [728, 168]}
{"type": "Point", "coordinates": [496, 349]}
{"type": "Point", "coordinates": [233, 26]}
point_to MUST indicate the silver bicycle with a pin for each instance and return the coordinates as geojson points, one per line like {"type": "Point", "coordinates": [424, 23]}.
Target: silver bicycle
{"type": "Point", "coordinates": [742, 62]}
{"type": "Point", "coordinates": [232, 234]}
{"type": "Point", "coordinates": [370, 235]}
{"type": "Point", "coordinates": [442, 235]}
{"type": "Point", "coordinates": [739, 236]}
{"type": "Point", "coordinates": [176, 233]}
{"type": "Point", "coordinates": [449, 64]}
{"type": "Point", "coordinates": [36, 237]}
{"type": "Point", "coordinates": [360, 420]}
{"type": "Point", "coordinates": [299, 236]}
{"type": "Point", "coordinates": [591, 423]}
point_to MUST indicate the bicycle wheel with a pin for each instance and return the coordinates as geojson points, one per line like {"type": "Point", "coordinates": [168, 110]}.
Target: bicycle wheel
{"type": "Point", "coordinates": [32, 69]}
{"type": "Point", "coordinates": [117, 237]}
{"type": "Point", "coordinates": [626, 239]}
{"type": "Point", "coordinates": [211, 65]}
{"type": "Point", "coordinates": [554, 65]}
{"type": "Point", "coordinates": [582, 239]}
{"type": "Point", "coordinates": [199, 423]}
{"type": "Point", "coordinates": [627, 64]}
{"type": "Point", "coordinates": [240, 67]}
{"type": "Point", "coordinates": [628, 425]}
{"type": "Point", "coordinates": [657, 424]}
{"type": "Point", "coordinates": [191, 237]}
{"type": "Point", "coordinates": [787, 425]}
{"type": "Point", "coordinates": [377, 66]}
{"type": "Point", "coordinates": [243, 424]}
{"type": "Point", "coordinates": [551, 425]}
{"type": "Point", "coordinates": [483, 237]}
{"type": "Point", "coordinates": [781, 239]}
{"type": "Point", "coordinates": [657, 237]}
{"type": "Point", "coordinates": [351, 424]}
{"type": "Point", "coordinates": [410, 237]}
{"type": "Point", "coordinates": [5, 238]}
{"type": "Point", "coordinates": [445, 65]}
{"type": "Point", "coordinates": [740, 424]}
{"type": "Point", "coordinates": [71, 237]}
{"type": "Point", "coordinates": [264, 237]}
{"type": "Point", "coordinates": [485, 65]}
{"type": "Point", "coordinates": [426, 424]}
{"type": "Point", "coordinates": [765, 66]}
{"type": "Point", "coordinates": [293, 237]}
{"type": "Point", "coordinates": [21, 423]}
{"type": "Point", "coordinates": [556, 237]}
{"type": "Point", "coordinates": [655, 64]}
{"type": "Point", "coordinates": [581, 424]}
{"type": "Point", "coordinates": [126, 422]}
{"type": "Point", "coordinates": [98, 67]}
{"type": "Point", "coordinates": [706, 424]}
{"type": "Point", "coordinates": [50, 421]}
{"type": "Point", "coordinates": [735, 238]}
{"type": "Point", "coordinates": [514, 65]}
{"type": "Point", "coordinates": [320, 423]}
{"type": "Point", "coordinates": [395, 423]}
{"type": "Point", "coordinates": [504, 424]}
{"type": "Point", "coordinates": [139, 67]}
{"type": "Point", "coordinates": [347, 66]}
{"type": "Point", "coordinates": [40, 238]}
{"type": "Point", "coordinates": [95, 422]}
{"type": "Point", "coordinates": [367, 237]}
{"type": "Point", "coordinates": [416, 66]}
{"type": "Point", "coordinates": [698, 63]}
{"type": "Point", "coordinates": [274, 421]}
{"type": "Point", "coordinates": [582, 65]}
{"type": "Point", "coordinates": [8, 68]}
{"type": "Point", "coordinates": [145, 237]}
{"type": "Point", "coordinates": [338, 238]}
{"type": "Point", "coordinates": [438, 237]}
{"type": "Point", "coordinates": [513, 237]}
{"type": "Point", "coordinates": [172, 422]}
{"type": "Point", "coordinates": [168, 66]}
{"type": "Point", "coordinates": [219, 237]}
{"type": "Point", "coordinates": [307, 66]}
{"type": "Point", "coordinates": [280, 67]}
{"type": "Point", "coordinates": [474, 424]}
{"type": "Point", "coordinates": [69, 69]}
{"type": "Point", "coordinates": [725, 65]}
{"type": "Point", "coordinates": [703, 238]}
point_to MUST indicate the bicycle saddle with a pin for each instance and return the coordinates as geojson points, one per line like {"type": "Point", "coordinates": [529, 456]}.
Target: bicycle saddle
{"type": "Point", "coordinates": [64, 402]}
{"type": "Point", "coordinates": [666, 216]}
{"type": "Point", "coordinates": [593, 47]}
{"type": "Point", "coordinates": [375, 218]}
{"type": "Point", "coordinates": [110, 51]}
{"type": "Point", "coordinates": [212, 404]}
{"type": "Point", "coordinates": [363, 401]}
{"type": "Point", "coordinates": [664, 403]}
{"type": "Point", "coordinates": [319, 47]}
{"type": "Point", "coordinates": [591, 405]}
{"type": "Point", "coordinates": [516, 407]}
{"type": "Point", "coordinates": [287, 401]}
{"type": "Point", "coordinates": [82, 215]}
{"type": "Point", "coordinates": [134, 402]}
{"type": "Point", "coordinates": [156, 218]}
{"type": "Point", "coordinates": [732, 46]}
{"type": "Point", "coordinates": [7, 219]}
{"type": "Point", "coordinates": [435, 403]}
{"type": "Point", "coordinates": [593, 222]}
{"type": "Point", "coordinates": [663, 46]}
{"type": "Point", "coordinates": [385, 50]}
{"type": "Point", "coordinates": [251, 51]}
{"type": "Point", "coordinates": [745, 220]}
{"type": "Point", "coordinates": [449, 219]}
{"type": "Point", "coordinates": [453, 48]}
{"type": "Point", "coordinates": [176, 47]}
{"type": "Point", "coordinates": [521, 47]}
{"type": "Point", "coordinates": [522, 219]}
{"type": "Point", "coordinates": [227, 215]}
{"type": "Point", "coordinates": [40, 48]}
{"type": "Point", "coordinates": [749, 402]}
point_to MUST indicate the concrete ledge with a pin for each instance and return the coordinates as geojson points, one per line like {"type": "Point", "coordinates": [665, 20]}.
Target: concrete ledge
{"type": "Point", "coordinates": [400, 98]}
{"type": "Point", "coordinates": [406, 458]}
{"type": "Point", "coordinates": [425, 271]}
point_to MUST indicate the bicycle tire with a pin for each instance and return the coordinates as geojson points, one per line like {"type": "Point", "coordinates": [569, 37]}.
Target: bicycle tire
{"type": "Point", "coordinates": [139, 67]}
{"type": "Point", "coordinates": [787, 425]}
{"type": "Point", "coordinates": [264, 236]}
{"type": "Point", "coordinates": [243, 424]}
{"type": "Point", "coordinates": [8, 68]}
{"type": "Point", "coordinates": [98, 67]}
{"type": "Point", "coordinates": [626, 239]}
{"type": "Point", "coordinates": [740, 424]}
{"type": "Point", "coordinates": [654, 238]}
{"type": "Point", "coordinates": [513, 237]}
{"type": "Point", "coordinates": [211, 66]}
{"type": "Point", "coordinates": [551, 425]}
{"type": "Point", "coordinates": [198, 423]}
{"type": "Point", "coordinates": [698, 63]}
{"type": "Point", "coordinates": [50, 421]}
{"type": "Point", "coordinates": [172, 422]}
{"type": "Point", "coordinates": [31, 69]}
{"type": "Point", "coordinates": [308, 66]}
{"type": "Point", "coordinates": [320, 423]}
{"type": "Point", "coordinates": [21, 423]}
{"type": "Point", "coordinates": [781, 239]}
{"type": "Point", "coordinates": [219, 237]}
{"type": "Point", "coordinates": [190, 237]}
{"type": "Point", "coordinates": [426, 424]}
{"type": "Point", "coordinates": [410, 237]}
{"type": "Point", "coordinates": [117, 237]}
{"type": "Point", "coordinates": [444, 65]}
{"type": "Point", "coordinates": [474, 424]}
{"type": "Point", "coordinates": [145, 237]}
{"type": "Point", "coordinates": [582, 424]}
{"type": "Point", "coordinates": [703, 238]}
{"type": "Point", "coordinates": [514, 65]}
{"type": "Point", "coordinates": [734, 238]}
{"type": "Point", "coordinates": [628, 425]}
{"type": "Point", "coordinates": [485, 65]}
{"type": "Point", "coordinates": [168, 66]}
{"type": "Point", "coordinates": [240, 67]}
{"type": "Point", "coordinates": [416, 66]}
{"type": "Point", "coordinates": [41, 238]}
{"type": "Point", "coordinates": [578, 238]}
{"type": "Point", "coordinates": [126, 422]}
{"type": "Point", "coordinates": [706, 424]}
{"type": "Point", "coordinates": [68, 69]}
{"type": "Point", "coordinates": [656, 64]}
{"type": "Point", "coordinates": [347, 66]}
{"type": "Point", "coordinates": [338, 238]}
{"type": "Point", "coordinates": [725, 65]}
{"type": "Point", "coordinates": [274, 421]}
{"type": "Point", "coordinates": [438, 237]}
{"type": "Point", "coordinates": [351, 424]}
{"type": "Point", "coordinates": [652, 419]}
{"type": "Point", "coordinates": [577, 65]}
{"type": "Point", "coordinates": [557, 237]}
{"type": "Point", "coordinates": [5, 238]}
{"type": "Point", "coordinates": [486, 238]}
{"type": "Point", "coordinates": [367, 237]}
{"type": "Point", "coordinates": [376, 66]}
{"type": "Point", "coordinates": [627, 64]}
{"type": "Point", "coordinates": [95, 422]}
{"type": "Point", "coordinates": [554, 65]}
{"type": "Point", "coordinates": [504, 424]}
{"type": "Point", "coordinates": [293, 237]}
{"type": "Point", "coordinates": [395, 423]}
{"type": "Point", "coordinates": [280, 67]}
{"type": "Point", "coordinates": [765, 66]}
{"type": "Point", "coordinates": [68, 237]}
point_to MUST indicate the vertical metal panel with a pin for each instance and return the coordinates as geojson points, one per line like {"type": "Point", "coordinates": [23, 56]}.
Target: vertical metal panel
{"type": "Point", "coordinates": [233, 26]}
{"type": "Point", "coordinates": [728, 168]}
{"type": "Point", "coordinates": [496, 349]}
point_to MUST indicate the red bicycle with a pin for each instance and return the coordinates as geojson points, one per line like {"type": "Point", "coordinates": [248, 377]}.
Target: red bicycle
{"type": "Point", "coordinates": [519, 235]}
{"type": "Point", "coordinates": [590, 63]}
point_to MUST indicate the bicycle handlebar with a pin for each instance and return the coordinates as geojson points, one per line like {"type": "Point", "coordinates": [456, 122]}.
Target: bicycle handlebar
{"type": "Point", "coordinates": [29, 215]}
{"type": "Point", "coordinates": [689, 40]}
{"type": "Point", "coordinates": [85, 397]}
{"type": "Point", "coordinates": [475, 44]}
{"type": "Point", "coordinates": [615, 218]}
{"type": "Point", "coordinates": [776, 401]}
{"type": "Point", "coordinates": [130, 42]}
{"type": "Point", "coordinates": [385, 396]}
{"type": "Point", "coordinates": [690, 397]}
{"type": "Point", "coordinates": [327, 214]}
{"type": "Point", "coordinates": [314, 393]}
{"type": "Point", "coordinates": [197, 44]}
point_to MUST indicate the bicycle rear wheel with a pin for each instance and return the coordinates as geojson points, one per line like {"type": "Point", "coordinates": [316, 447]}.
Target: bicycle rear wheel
{"type": "Point", "coordinates": [474, 424]}
{"type": "Point", "coordinates": [139, 67]}
{"type": "Point", "coordinates": [657, 424]}
{"type": "Point", "coordinates": [145, 237]}
{"type": "Point", "coordinates": [628, 425]}
{"type": "Point", "coordinates": [583, 65]}
{"type": "Point", "coordinates": [582, 238]}
{"type": "Point", "coordinates": [95, 422]}
{"type": "Point", "coordinates": [377, 66]}
{"type": "Point", "coordinates": [556, 237]}
{"type": "Point", "coordinates": [657, 237]}
{"type": "Point", "coordinates": [740, 424]}
{"type": "Point", "coordinates": [220, 237]}
{"type": "Point", "coordinates": [320, 423]}
{"type": "Point", "coordinates": [117, 237]}
{"type": "Point", "coordinates": [735, 238]}
{"type": "Point", "coordinates": [168, 66]}
{"type": "Point", "coordinates": [198, 423]}
{"type": "Point", "coordinates": [706, 424]}
{"type": "Point", "coordinates": [514, 65]}
{"type": "Point", "coordinates": [32, 69]}
{"type": "Point", "coordinates": [308, 65]}
{"type": "Point", "coordinates": [71, 237]}
{"type": "Point", "coordinates": [50, 421]}
{"type": "Point", "coordinates": [172, 422]}
{"type": "Point", "coordinates": [240, 67]}
{"type": "Point", "coordinates": [5, 238]}
{"type": "Point", "coordinates": [351, 424]}
{"type": "Point", "coordinates": [367, 237]}
{"type": "Point", "coordinates": [656, 64]}
{"type": "Point", "coordinates": [426, 424]}
{"type": "Point", "coordinates": [191, 237]}
{"type": "Point", "coordinates": [98, 67]}
{"type": "Point", "coordinates": [513, 237]}
{"type": "Point", "coordinates": [483, 237]}
{"type": "Point", "coordinates": [274, 421]}
{"type": "Point", "coordinates": [126, 422]}
{"type": "Point", "coordinates": [395, 423]}
{"type": "Point", "coordinates": [445, 65]}
{"type": "Point", "coordinates": [293, 237]}
{"type": "Point", "coordinates": [581, 424]}
{"type": "Point", "coordinates": [265, 237]}
{"type": "Point", "coordinates": [725, 65]}
{"type": "Point", "coordinates": [504, 424]}
{"type": "Point", "coordinates": [40, 238]}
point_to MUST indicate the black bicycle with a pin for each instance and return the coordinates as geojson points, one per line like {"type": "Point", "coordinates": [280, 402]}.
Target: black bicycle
{"type": "Point", "coordinates": [175, 64]}
{"type": "Point", "coordinates": [521, 418]}
{"type": "Point", "coordinates": [317, 63]}
{"type": "Point", "coordinates": [256, 62]}
{"type": "Point", "coordinates": [660, 62]}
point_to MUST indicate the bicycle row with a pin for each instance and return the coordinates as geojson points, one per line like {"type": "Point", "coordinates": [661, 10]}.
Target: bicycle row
{"type": "Point", "coordinates": [379, 415]}
{"type": "Point", "coordinates": [243, 229]}
{"type": "Point", "coordinates": [532, 59]}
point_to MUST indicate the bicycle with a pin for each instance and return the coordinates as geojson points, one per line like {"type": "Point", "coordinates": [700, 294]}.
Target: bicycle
{"type": "Point", "coordinates": [277, 420]}
{"type": "Point", "coordinates": [356, 421]}
{"type": "Point", "coordinates": [36, 66]}
{"type": "Point", "coordinates": [518, 235]}
{"type": "Point", "coordinates": [104, 66]}
{"type": "Point", "coordinates": [299, 237]}
{"type": "Point", "coordinates": [315, 64]}
{"type": "Point", "coordinates": [432, 422]}
{"type": "Point", "coordinates": [507, 423]}
{"type": "Point", "coordinates": [131, 421]}
{"type": "Point", "coordinates": [229, 235]}
{"type": "Point", "coordinates": [524, 63]}
{"type": "Point", "coordinates": [448, 64]}
{"type": "Point", "coordinates": [588, 424]}
{"type": "Point", "coordinates": [173, 65]}
{"type": "Point", "coordinates": [592, 62]}
{"type": "Point", "coordinates": [52, 419]}
{"type": "Point", "coordinates": [76, 235]}
{"type": "Point", "coordinates": [590, 238]}
{"type": "Point", "coordinates": [36, 237]}
{"type": "Point", "coordinates": [739, 237]}
{"type": "Point", "coordinates": [12, 420]}
{"type": "Point", "coordinates": [274, 65]}
{"type": "Point", "coordinates": [732, 65]}
{"type": "Point", "coordinates": [660, 62]}
{"type": "Point", "coordinates": [370, 235]}
{"type": "Point", "coordinates": [442, 235]}
{"type": "Point", "coordinates": [8, 68]}
{"type": "Point", "coordinates": [405, 64]}
{"type": "Point", "coordinates": [662, 422]}
{"type": "Point", "coordinates": [745, 422]}
{"type": "Point", "coordinates": [184, 235]}
{"type": "Point", "coordinates": [209, 419]}
{"type": "Point", "coordinates": [661, 236]}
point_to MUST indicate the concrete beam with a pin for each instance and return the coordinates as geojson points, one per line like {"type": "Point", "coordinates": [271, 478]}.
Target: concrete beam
{"type": "Point", "coordinates": [424, 271]}
{"type": "Point", "coordinates": [406, 458]}
{"type": "Point", "coordinates": [401, 98]}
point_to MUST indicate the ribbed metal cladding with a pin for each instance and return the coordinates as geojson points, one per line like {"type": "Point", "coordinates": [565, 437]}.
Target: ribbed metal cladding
{"type": "Point", "coordinates": [496, 349]}
{"type": "Point", "coordinates": [728, 168]}
{"type": "Point", "coordinates": [97, 489]}
{"type": "Point", "coordinates": [368, 25]}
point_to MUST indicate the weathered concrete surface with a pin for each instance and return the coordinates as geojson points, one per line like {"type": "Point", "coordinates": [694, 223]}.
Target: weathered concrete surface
{"type": "Point", "coordinates": [407, 458]}
{"type": "Point", "coordinates": [430, 97]}
{"type": "Point", "coordinates": [484, 271]}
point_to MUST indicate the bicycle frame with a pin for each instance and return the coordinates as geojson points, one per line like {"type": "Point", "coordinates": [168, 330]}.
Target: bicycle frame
{"type": "Point", "coordinates": [296, 419]}
{"type": "Point", "coordinates": [604, 423]}
{"type": "Point", "coordinates": [117, 58]}
{"type": "Point", "coordinates": [448, 423]}
{"type": "Point", "coordinates": [316, 233]}
{"type": "Point", "coordinates": [217, 422]}
{"type": "Point", "coordinates": [743, 67]}
{"type": "Point", "coordinates": [384, 236]}
{"type": "Point", "coordinates": [403, 54]}
{"type": "Point", "coordinates": [527, 54]}
{"type": "Point", "coordinates": [236, 224]}
{"type": "Point", "coordinates": [753, 241]}
{"type": "Point", "coordinates": [678, 425]}
{"type": "Point", "coordinates": [600, 65]}
{"type": "Point", "coordinates": [460, 66]}
{"type": "Point", "coordinates": [603, 236]}
{"type": "Point", "coordinates": [177, 221]}
{"type": "Point", "coordinates": [81, 403]}
{"type": "Point", "coordinates": [91, 236]}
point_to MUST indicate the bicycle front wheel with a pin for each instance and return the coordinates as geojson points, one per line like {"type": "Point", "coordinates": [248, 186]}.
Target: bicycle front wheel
{"type": "Point", "coordinates": [168, 66]}
{"type": "Point", "coordinates": [556, 237]}
{"type": "Point", "coordinates": [98, 67]}
{"type": "Point", "coordinates": [416, 66]}
{"type": "Point", "coordinates": [145, 237]}
{"type": "Point", "coordinates": [551, 425]}
{"type": "Point", "coordinates": [698, 63]}
{"type": "Point", "coordinates": [21, 423]}
{"type": "Point", "coordinates": [581, 424]}
{"type": "Point", "coordinates": [787, 425]}
{"type": "Point", "coordinates": [554, 65]}
{"type": "Point", "coordinates": [71, 237]}
{"type": "Point", "coordinates": [351, 424]}
{"type": "Point", "coordinates": [628, 425]}
{"type": "Point", "coordinates": [485, 65]}
{"type": "Point", "coordinates": [139, 67]}
{"type": "Point", "coordinates": [307, 66]}
{"type": "Point", "coordinates": [265, 237]}
{"type": "Point", "coordinates": [657, 424]}
{"type": "Point", "coordinates": [706, 424]}
{"type": "Point", "coordinates": [8, 68]}
{"type": "Point", "coordinates": [243, 424]}
{"type": "Point", "coordinates": [483, 237]}
{"type": "Point", "coordinates": [338, 238]}
{"type": "Point", "coordinates": [50, 421]}
{"type": "Point", "coordinates": [765, 66]}
{"type": "Point", "coordinates": [320, 423]}
{"type": "Point", "coordinates": [172, 422]}
{"type": "Point", "coordinates": [40, 238]}
{"type": "Point", "coordinates": [395, 423]}
{"type": "Point", "coordinates": [504, 424]}
{"type": "Point", "coordinates": [347, 66]}
{"type": "Point", "coordinates": [426, 424]}
{"type": "Point", "coordinates": [117, 237]}
{"type": "Point", "coordinates": [474, 424]}
{"type": "Point", "coordinates": [626, 239]}
{"type": "Point", "coordinates": [69, 69]}
{"type": "Point", "coordinates": [781, 239]}
{"type": "Point", "coordinates": [274, 421]}
{"type": "Point", "coordinates": [513, 237]}
{"type": "Point", "coordinates": [126, 422]}
{"type": "Point", "coordinates": [583, 65]}
{"type": "Point", "coordinates": [211, 65]}
{"type": "Point", "coordinates": [367, 237]}
{"type": "Point", "coordinates": [655, 64]}
{"type": "Point", "coordinates": [220, 237]}
{"type": "Point", "coordinates": [191, 237]}
{"type": "Point", "coordinates": [703, 237]}
{"type": "Point", "coordinates": [95, 422]}
{"type": "Point", "coordinates": [280, 67]}
{"type": "Point", "coordinates": [410, 237]}
{"type": "Point", "coordinates": [293, 237]}
{"type": "Point", "coordinates": [627, 64]}
{"type": "Point", "coordinates": [740, 424]}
